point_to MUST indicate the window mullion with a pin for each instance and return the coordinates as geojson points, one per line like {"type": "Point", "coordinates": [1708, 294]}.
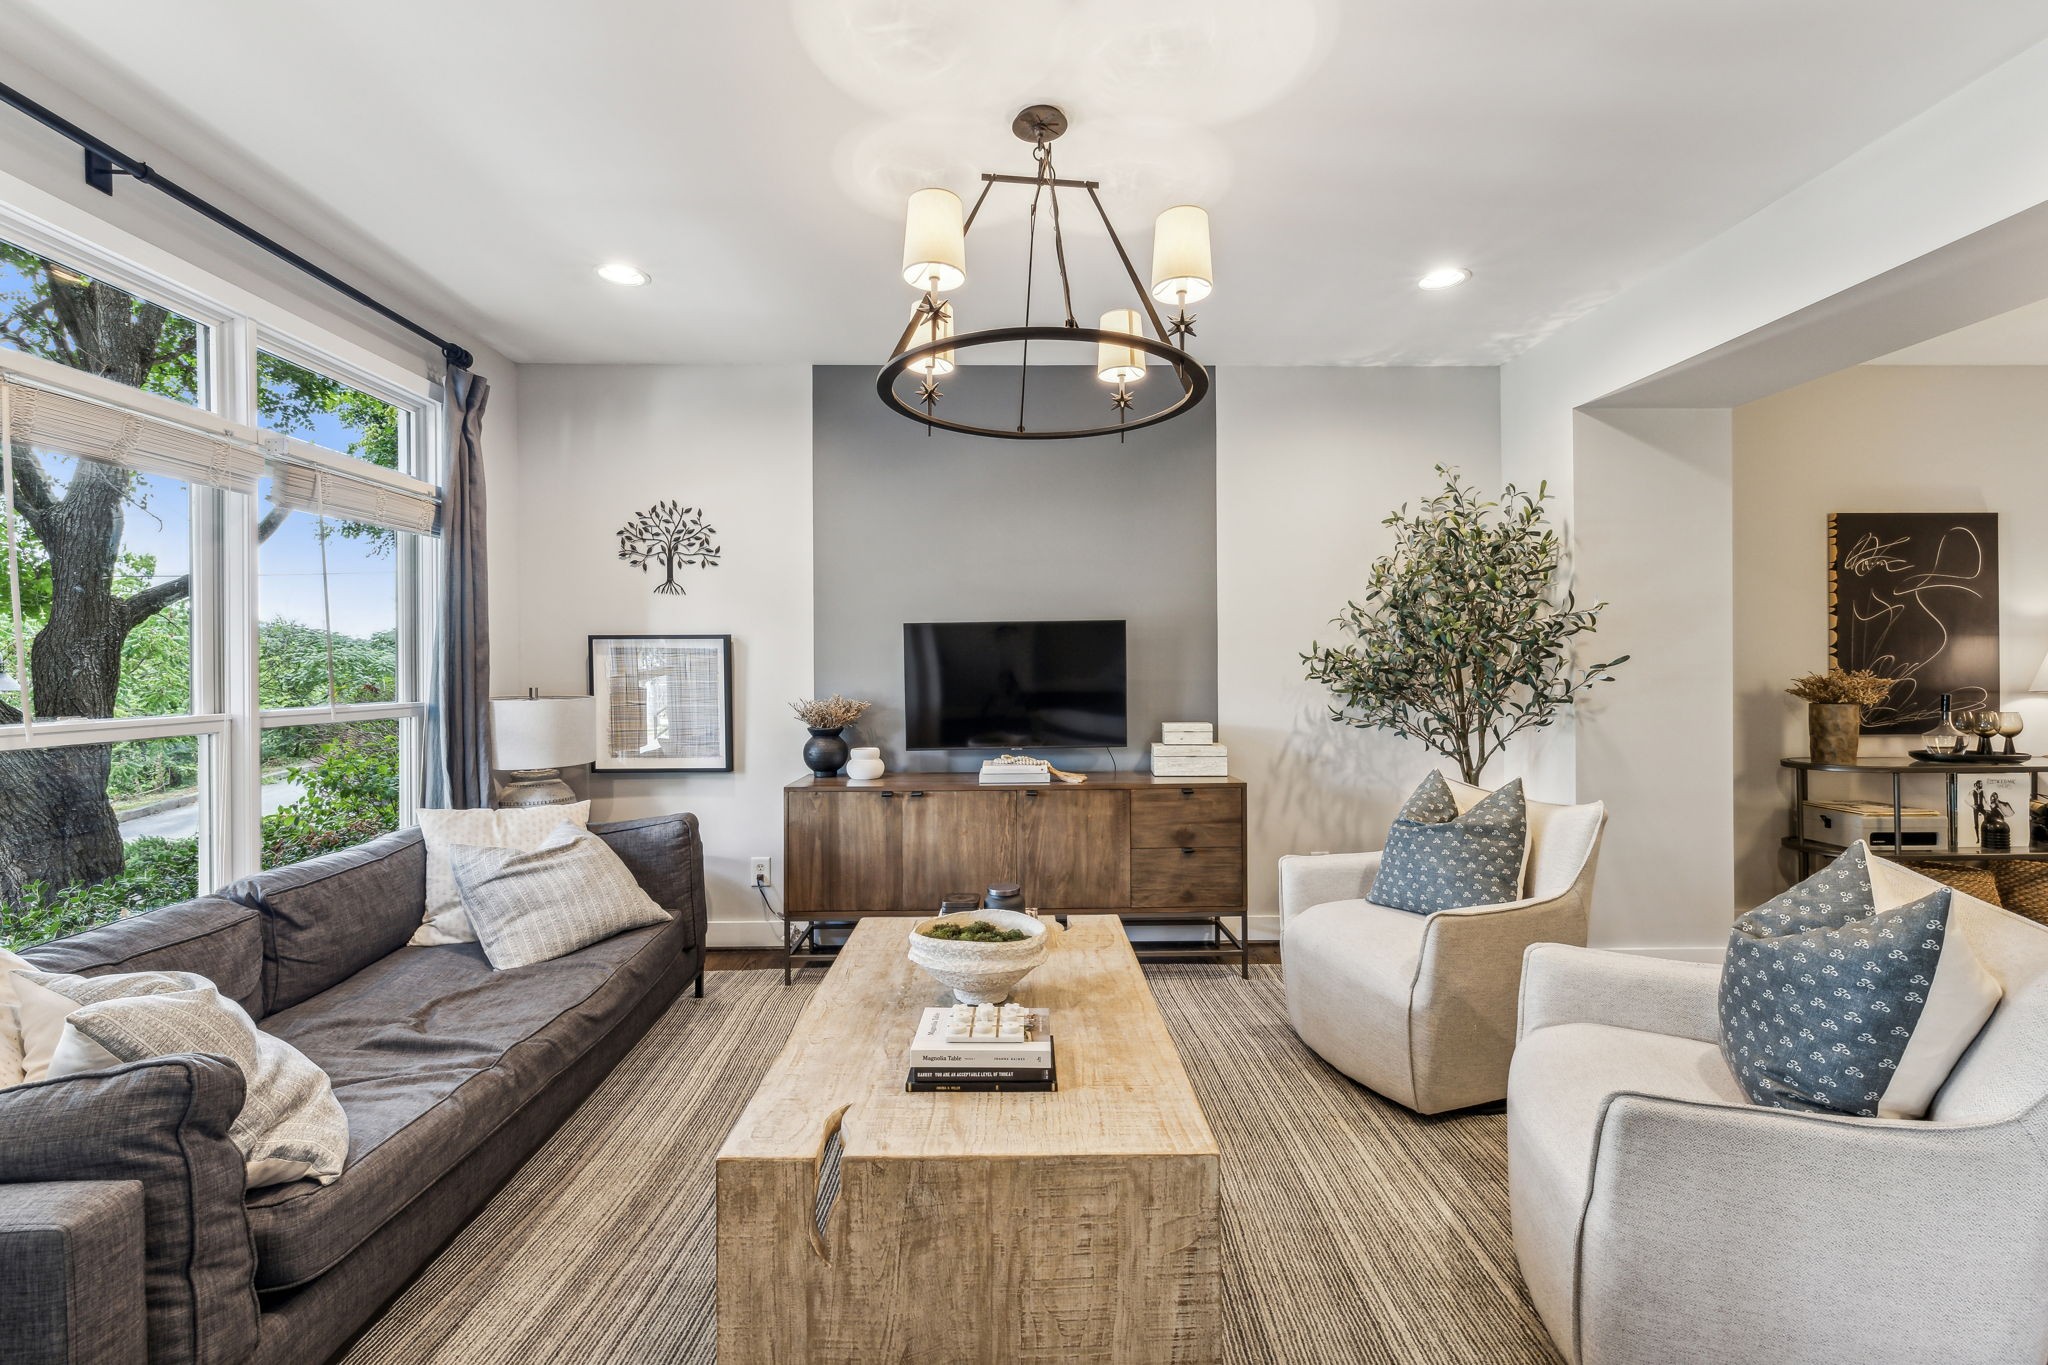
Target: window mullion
{"type": "Point", "coordinates": [238, 789]}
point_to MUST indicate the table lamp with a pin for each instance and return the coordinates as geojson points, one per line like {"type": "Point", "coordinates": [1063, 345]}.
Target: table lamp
{"type": "Point", "coordinates": [534, 738]}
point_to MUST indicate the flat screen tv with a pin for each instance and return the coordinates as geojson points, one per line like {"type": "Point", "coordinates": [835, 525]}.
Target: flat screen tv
{"type": "Point", "coordinates": [1014, 685]}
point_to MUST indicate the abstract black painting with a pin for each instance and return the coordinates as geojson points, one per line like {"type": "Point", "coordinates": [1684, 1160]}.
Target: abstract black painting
{"type": "Point", "coordinates": [1914, 596]}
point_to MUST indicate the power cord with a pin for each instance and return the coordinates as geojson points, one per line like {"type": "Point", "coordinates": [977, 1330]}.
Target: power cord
{"type": "Point", "coordinates": [761, 888]}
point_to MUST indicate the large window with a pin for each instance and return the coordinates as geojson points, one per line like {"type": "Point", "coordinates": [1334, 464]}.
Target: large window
{"type": "Point", "coordinates": [208, 635]}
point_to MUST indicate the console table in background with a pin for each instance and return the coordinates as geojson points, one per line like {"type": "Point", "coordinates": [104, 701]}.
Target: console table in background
{"type": "Point", "coordinates": [1810, 853]}
{"type": "Point", "coordinates": [1151, 850]}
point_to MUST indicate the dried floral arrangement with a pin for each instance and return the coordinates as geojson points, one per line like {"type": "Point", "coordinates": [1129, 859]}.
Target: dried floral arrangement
{"type": "Point", "coordinates": [830, 713]}
{"type": "Point", "coordinates": [1862, 687]}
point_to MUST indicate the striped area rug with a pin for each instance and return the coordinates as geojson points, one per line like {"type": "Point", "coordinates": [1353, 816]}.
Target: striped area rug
{"type": "Point", "coordinates": [1353, 1230]}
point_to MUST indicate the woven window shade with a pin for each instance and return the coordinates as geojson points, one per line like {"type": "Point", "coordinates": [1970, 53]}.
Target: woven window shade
{"type": "Point", "coordinates": [347, 497]}
{"type": "Point", "coordinates": [199, 449]}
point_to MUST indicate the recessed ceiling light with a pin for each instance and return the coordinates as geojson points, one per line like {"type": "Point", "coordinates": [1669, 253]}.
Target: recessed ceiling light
{"type": "Point", "coordinates": [1444, 277]}
{"type": "Point", "coordinates": [618, 272]}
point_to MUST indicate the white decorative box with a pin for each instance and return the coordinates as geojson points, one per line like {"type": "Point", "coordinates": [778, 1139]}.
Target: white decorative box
{"type": "Point", "coordinates": [1188, 732]}
{"type": "Point", "coordinates": [1842, 823]}
{"type": "Point", "coordinates": [1190, 767]}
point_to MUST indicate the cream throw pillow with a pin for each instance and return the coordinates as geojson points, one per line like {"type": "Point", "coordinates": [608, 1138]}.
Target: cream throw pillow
{"type": "Point", "coordinates": [11, 1072]}
{"type": "Point", "coordinates": [291, 1127]}
{"type": "Point", "coordinates": [48, 999]}
{"type": "Point", "coordinates": [447, 921]}
{"type": "Point", "coordinates": [540, 904]}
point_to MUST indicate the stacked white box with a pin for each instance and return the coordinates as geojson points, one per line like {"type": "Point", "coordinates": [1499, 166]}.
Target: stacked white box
{"type": "Point", "coordinates": [1189, 749]}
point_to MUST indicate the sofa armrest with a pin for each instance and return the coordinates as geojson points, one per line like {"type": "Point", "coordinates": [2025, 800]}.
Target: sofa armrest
{"type": "Point", "coordinates": [163, 1125]}
{"type": "Point", "coordinates": [1308, 879]}
{"type": "Point", "coordinates": [1462, 1013]}
{"type": "Point", "coordinates": [665, 854]}
{"type": "Point", "coordinates": [1566, 985]}
{"type": "Point", "coordinates": [1766, 1234]}
{"type": "Point", "coordinates": [72, 1294]}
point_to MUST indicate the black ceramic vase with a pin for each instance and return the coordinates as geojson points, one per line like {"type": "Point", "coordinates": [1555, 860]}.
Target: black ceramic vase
{"type": "Point", "coordinates": [825, 753]}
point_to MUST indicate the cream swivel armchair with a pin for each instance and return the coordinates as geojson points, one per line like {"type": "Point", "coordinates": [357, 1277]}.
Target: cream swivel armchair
{"type": "Point", "coordinates": [1661, 1218]}
{"type": "Point", "coordinates": [1421, 1008]}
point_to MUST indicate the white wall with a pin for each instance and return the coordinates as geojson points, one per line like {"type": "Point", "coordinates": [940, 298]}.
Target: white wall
{"type": "Point", "coordinates": [1308, 462]}
{"type": "Point", "coordinates": [1906, 437]}
{"type": "Point", "coordinates": [1970, 162]}
{"type": "Point", "coordinates": [599, 443]}
{"type": "Point", "coordinates": [1653, 512]}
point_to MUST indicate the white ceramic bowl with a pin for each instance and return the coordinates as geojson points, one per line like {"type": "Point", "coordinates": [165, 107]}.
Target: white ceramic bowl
{"type": "Point", "coordinates": [982, 973]}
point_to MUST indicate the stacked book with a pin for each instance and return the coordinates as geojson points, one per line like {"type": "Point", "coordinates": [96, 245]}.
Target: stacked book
{"type": "Point", "coordinates": [1014, 771]}
{"type": "Point", "coordinates": [982, 1048]}
{"type": "Point", "coordinates": [1189, 749]}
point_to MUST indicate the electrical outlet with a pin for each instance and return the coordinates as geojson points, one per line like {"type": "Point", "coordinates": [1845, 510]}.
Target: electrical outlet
{"type": "Point", "coordinates": [764, 872]}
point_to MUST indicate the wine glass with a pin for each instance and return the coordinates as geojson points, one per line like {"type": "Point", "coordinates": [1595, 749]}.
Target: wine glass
{"type": "Point", "coordinates": [1983, 724]}
{"type": "Point", "coordinates": [2010, 723]}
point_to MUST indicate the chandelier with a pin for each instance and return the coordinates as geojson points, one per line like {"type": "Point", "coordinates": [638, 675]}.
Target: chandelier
{"type": "Point", "coordinates": [935, 264]}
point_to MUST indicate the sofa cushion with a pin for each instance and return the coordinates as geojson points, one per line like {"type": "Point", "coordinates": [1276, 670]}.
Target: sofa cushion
{"type": "Point", "coordinates": [1350, 969]}
{"type": "Point", "coordinates": [1558, 1086]}
{"type": "Point", "coordinates": [430, 1050]}
{"type": "Point", "coordinates": [327, 918]}
{"type": "Point", "coordinates": [520, 827]}
{"type": "Point", "coordinates": [667, 859]}
{"type": "Point", "coordinates": [1441, 857]}
{"type": "Point", "coordinates": [220, 939]}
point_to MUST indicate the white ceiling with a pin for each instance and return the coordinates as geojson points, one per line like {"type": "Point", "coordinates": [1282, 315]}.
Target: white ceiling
{"type": "Point", "coordinates": [486, 154]}
{"type": "Point", "coordinates": [2016, 338]}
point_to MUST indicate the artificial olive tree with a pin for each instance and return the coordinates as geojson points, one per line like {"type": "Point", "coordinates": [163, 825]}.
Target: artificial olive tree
{"type": "Point", "coordinates": [1464, 636]}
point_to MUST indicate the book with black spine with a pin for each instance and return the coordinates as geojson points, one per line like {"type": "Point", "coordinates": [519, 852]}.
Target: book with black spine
{"type": "Point", "coordinates": [917, 1087]}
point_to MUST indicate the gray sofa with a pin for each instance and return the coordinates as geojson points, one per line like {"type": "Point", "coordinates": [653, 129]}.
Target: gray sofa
{"type": "Point", "coordinates": [125, 1231]}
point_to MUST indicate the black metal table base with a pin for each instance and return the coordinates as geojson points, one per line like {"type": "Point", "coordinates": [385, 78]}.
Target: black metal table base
{"type": "Point", "coordinates": [803, 947]}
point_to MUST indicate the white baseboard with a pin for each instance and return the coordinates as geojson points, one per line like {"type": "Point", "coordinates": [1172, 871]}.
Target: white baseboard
{"type": "Point", "coordinates": [743, 933]}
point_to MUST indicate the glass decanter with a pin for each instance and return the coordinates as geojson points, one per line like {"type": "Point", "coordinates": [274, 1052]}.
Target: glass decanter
{"type": "Point", "coordinates": [1944, 738]}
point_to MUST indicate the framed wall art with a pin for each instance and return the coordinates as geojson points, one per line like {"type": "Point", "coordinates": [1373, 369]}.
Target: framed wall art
{"type": "Point", "coordinates": [1913, 596]}
{"type": "Point", "coordinates": [664, 703]}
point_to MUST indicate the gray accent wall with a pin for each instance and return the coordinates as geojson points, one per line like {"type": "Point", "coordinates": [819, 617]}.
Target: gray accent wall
{"type": "Point", "coordinates": [909, 527]}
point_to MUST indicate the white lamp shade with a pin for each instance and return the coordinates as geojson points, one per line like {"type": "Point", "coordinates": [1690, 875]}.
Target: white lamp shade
{"type": "Point", "coordinates": [544, 732]}
{"type": "Point", "coordinates": [1181, 271]}
{"type": "Point", "coordinates": [1116, 364]}
{"type": "Point", "coordinates": [940, 362]}
{"type": "Point", "coordinates": [2041, 678]}
{"type": "Point", "coordinates": [934, 241]}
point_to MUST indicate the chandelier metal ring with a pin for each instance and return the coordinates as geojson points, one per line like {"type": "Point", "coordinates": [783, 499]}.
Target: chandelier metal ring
{"type": "Point", "coordinates": [1193, 377]}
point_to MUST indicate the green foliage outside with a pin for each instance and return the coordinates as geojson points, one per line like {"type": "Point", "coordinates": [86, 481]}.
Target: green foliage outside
{"type": "Point", "coordinates": [351, 782]}
{"type": "Point", "coordinates": [1464, 637]}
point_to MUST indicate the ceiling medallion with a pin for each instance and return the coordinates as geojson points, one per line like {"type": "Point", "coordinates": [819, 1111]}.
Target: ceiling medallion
{"type": "Point", "coordinates": [935, 264]}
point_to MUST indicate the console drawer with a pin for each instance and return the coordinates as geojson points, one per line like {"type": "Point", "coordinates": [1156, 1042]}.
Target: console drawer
{"type": "Point", "coordinates": [1187, 817]}
{"type": "Point", "coordinates": [1170, 878]}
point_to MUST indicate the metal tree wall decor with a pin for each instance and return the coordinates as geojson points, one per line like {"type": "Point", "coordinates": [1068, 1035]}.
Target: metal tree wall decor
{"type": "Point", "coordinates": [1464, 639]}
{"type": "Point", "coordinates": [669, 534]}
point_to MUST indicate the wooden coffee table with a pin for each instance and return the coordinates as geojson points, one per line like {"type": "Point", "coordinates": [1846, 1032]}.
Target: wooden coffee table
{"type": "Point", "coordinates": [1075, 1226]}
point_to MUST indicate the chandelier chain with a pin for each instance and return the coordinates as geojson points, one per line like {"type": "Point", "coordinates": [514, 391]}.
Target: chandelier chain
{"type": "Point", "coordinates": [1030, 268]}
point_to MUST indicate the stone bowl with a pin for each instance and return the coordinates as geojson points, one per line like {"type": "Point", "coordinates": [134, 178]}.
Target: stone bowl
{"type": "Point", "coordinates": [982, 973]}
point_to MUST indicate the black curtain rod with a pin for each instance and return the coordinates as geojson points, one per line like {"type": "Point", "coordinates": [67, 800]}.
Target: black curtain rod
{"type": "Point", "coordinates": [103, 162]}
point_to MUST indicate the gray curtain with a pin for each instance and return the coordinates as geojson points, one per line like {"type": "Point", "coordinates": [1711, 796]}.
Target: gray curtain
{"type": "Point", "coordinates": [458, 758]}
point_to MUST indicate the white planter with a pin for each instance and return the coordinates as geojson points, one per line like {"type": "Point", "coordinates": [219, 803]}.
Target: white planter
{"type": "Point", "coordinates": [864, 765]}
{"type": "Point", "coordinates": [982, 973]}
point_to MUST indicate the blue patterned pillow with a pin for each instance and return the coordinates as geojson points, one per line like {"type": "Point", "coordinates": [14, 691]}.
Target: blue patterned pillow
{"type": "Point", "coordinates": [1848, 994]}
{"type": "Point", "coordinates": [1437, 859]}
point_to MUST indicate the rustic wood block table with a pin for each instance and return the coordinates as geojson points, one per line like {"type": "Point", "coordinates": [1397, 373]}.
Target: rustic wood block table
{"type": "Point", "coordinates": [1078, 1226]}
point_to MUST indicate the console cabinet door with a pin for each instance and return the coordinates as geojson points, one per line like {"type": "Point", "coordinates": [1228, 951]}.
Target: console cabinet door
{"type": "Point", "coordinates": [844, 850]}
{"type": "Point", "coordinates": [1076, 852]}
{"type": "Point", "coordinates": [956, 841]}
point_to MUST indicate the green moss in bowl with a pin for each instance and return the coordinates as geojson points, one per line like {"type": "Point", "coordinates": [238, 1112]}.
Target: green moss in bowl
{"type": "Point", "coordinates": [974, 931]}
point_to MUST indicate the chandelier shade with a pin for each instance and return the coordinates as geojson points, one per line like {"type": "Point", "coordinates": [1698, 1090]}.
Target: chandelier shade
{"type": "Point", "coordinates": [1120, 362]}
{"type": "Point", "coordinates": [1126, 340]}
{"type": "Point", "coordinates": [1181, 269]}
{"type": "Point", "coordinates": [934, 242]}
